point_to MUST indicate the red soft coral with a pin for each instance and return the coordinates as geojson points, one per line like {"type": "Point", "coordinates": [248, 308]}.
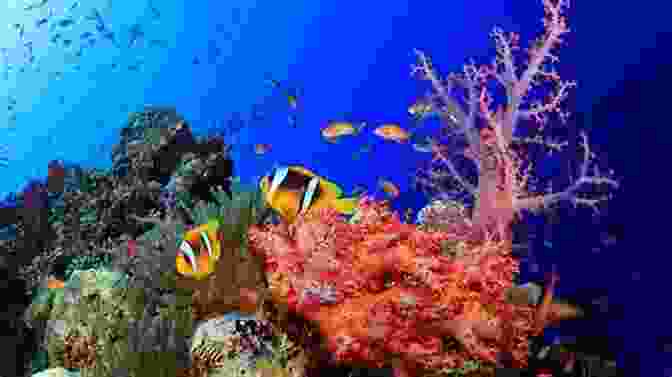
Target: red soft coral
{"type": "Point", "coordinates": [378, 288]}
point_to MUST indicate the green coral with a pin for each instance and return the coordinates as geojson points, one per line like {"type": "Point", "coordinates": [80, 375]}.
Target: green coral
{"type": "Point", "coordinates": [237, 214]}
{"type": "Point", "coordinates": [87, 262]}
{"type": "Point", "coordinates": [56, 215]}
{"type": "Point", "coordinates": [91, 180]}
{"type": "Point", "coordinates": [466, 369]}
{"type": "Point", "coordinates": [153, 135]}
{"type": "Point", "coordinates": [102, 307]}
{"type": "Point", "coordinates": [234, 214]}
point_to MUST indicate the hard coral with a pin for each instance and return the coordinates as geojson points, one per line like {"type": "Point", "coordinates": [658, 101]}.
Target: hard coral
{"type": "Point", "coordinates": [379, 289]}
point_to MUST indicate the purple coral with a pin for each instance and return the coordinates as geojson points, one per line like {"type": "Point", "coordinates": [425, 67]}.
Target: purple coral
{"type": "Point", "coordinates": [168, 199]}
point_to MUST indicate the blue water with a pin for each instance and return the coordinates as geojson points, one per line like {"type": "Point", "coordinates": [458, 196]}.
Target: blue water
{"type": "Point", "coordinates": [348, 59]}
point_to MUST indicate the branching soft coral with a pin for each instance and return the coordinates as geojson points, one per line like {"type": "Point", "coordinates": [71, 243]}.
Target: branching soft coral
{"type": "Point", "coordinates": [379, 289]}
{"type": "Point", "coordinates": [482, 108]}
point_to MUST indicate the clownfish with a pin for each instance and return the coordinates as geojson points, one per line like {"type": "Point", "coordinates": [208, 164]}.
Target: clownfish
{"type": "Point", "coordinates": [294, 190]}
{"type": "Point", "coordinates": [199, 251]}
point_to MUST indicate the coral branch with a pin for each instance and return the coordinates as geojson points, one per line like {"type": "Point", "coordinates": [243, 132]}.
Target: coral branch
{"type": "Point", "coordinates": [439, 154]}
{"type": "Point", "coordinates": [466, 122]}
{"type": "Point", "coordinates": [542, 202]}
{"type": "Point", "coordinates": [555, 26]}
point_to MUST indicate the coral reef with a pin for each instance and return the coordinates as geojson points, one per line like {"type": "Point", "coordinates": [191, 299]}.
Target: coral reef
{"type": "Point", "coordinates": [381, 287]}
{"type": "Point", "coordinates": [134, 135]}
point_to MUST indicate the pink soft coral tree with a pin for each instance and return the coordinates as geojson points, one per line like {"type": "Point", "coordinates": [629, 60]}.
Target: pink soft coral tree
{"type": "Point", "coordinates": [492, 136]}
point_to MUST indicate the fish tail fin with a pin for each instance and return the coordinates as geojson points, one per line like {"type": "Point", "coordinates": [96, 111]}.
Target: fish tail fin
{"type": "Point", "coordinates": [346, 206]}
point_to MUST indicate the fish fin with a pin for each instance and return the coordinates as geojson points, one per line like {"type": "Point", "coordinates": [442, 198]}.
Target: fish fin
{"type": "Point", "coordinates": [263, 184]}
{"type": "Point", "coordinates": [286, 204]}
{"type": "Point", "coordinates": [330, 189]}
{"type": "Point", "coordinates": [345, 206]}
{"type": "Point", "coordinates": [302, 170]}
{"type": "Point", "coordinates": [360, 127]}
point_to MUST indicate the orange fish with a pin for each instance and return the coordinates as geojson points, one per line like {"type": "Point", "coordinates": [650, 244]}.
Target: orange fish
{"type": "Point", "coordinates": [392, 132]}
{"type": "Point", "coordinates": [55, 283]}
{"type": "Point", "coordinates": [542, 316]}
{"type": "Point", "coordinates": [262, 148]}
{"type": "Point", "coordinates": [337, 129]}
{"type": "Point", "coordinates": [389, 188]}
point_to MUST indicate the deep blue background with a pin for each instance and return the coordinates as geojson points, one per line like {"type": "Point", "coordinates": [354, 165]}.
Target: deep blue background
{"type": "Point", "coordinates": [351, 61]}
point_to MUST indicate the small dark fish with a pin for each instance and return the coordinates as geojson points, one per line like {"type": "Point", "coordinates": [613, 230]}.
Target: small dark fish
{"type": "Point", "coordinates": [41, 21]}
{"type": "Point", "coordinates": [54, 38]}
{"type": "Point", "coordinates": [79, 52]}
{"type": "Point", "coordinates": [74, 6]}
{"type": "Point", "coordinates": [86, 35]}
{"type": "Point", "coordinates": [91, 42]}
{"type": "Point", "coordinates": [422, 145]}
{"type": "Point", "coordinates": [65, 22]}
{"type": "Point", "coordinates": [94, 16]}
{"type": "Point", "coordinates": [67, 42]}
{"type": "Point", "coordinates": [158, 43]}
{"type": "Point", "coordinates": [114, 65]}
{"type": "Point", "coordinates": [292, 120]}
{"type": "Point", "coordinates": [109, 35]}
{"type": "Point", "coordinates": [135, 67]}
{"type": "Point", "coordinates": [35, 5]}
{"type": "Point", "coordinates": [29, 47]}
{"type": "Point", "coordinates": [195, 61]}
{"type": "Point", "coordinates": [11, 100]}
{"type": "Point", "coordinates": [20, 29]}
{"type": "Point", "coordinates": [154, 11]}
{"type": "Point", "coordinates": [135, 34]}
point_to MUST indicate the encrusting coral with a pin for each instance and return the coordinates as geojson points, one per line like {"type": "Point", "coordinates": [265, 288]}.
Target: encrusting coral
{"type": "Point", "coordinates": [379, 289]}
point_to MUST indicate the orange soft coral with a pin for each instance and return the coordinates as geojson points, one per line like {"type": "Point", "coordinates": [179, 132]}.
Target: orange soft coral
{"type": "Point", "coordinates": [380, 289]}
